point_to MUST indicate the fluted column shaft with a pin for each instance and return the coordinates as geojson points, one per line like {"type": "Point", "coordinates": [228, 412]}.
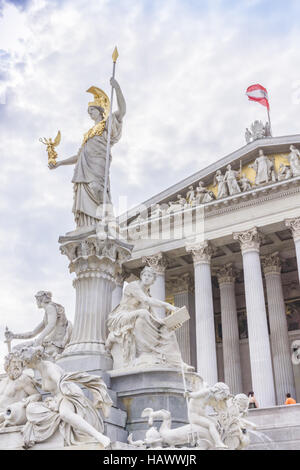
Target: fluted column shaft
{"type": "Point", "coordinates": [294, 225]}
{"type": "Point", "coordinates": [205, 326]}
{"type": "Point", "coordinates": [259, 344]}
{"type": "Point", "coordinates": [283, 369]}
{"type": "Point", "coordinates": [183, 333]}
{"type": "Point", "coordinates": [93, 304]}
{"type": "Point", "coordinates": [158, 263]}
{"type": "Point", "coordinates": [96, 263]}
{"type": "Point", "coordinates": [230, 330]}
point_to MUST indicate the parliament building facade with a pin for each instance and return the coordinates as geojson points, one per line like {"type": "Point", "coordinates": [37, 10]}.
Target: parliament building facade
{"type": "Point", "coordinates": [225, 242]}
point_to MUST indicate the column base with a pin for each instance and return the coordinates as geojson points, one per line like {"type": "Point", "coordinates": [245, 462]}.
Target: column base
{"type": "Point", "coordinates": [85, 362]}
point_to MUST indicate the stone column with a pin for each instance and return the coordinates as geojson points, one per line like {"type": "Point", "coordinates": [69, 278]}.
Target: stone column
{"type": "Point", "coordinates": [205, 325]}
{"type": "Point", "coordinates": [158, 263]}
{"type": "Point", "coordinates": [230, 331]}
{"type": "Point", "coordinates": [294, 225]}
{"type": "Point", "coordinates": [95, 262]}
{"type": "Point", "coordinates": [181, 288]}
{"type": "Point", "coordinates": [259, 344]}
{"type": "Point", "coordinates": [282, 364]}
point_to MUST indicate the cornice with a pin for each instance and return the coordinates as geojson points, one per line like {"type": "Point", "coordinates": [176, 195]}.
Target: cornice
{"type": "Point", "coordinates": [246, 153]}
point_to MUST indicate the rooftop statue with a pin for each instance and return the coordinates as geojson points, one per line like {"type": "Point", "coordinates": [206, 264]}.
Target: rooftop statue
{"type": "Point", "coordinates": [174, 206]}
{"type": "Point", "coordinates": [258, 131]}
{"type": "Point", "coordinates": [190, 195]}
{"type": "Point", "coordinates": [294, 158]}
{"type": "Point", "coordinates": [264, 168]}
{"type": "Point", "coordinates": [137, 336]}
{"type": "Point", "coordinates": [155, 211]}
{"type": "Point", "coordinates": [231, 180]}
{"type": "Point", "coordinates": [203, 195]}
{"type": "Point", "coordinates": [181, 200]}
{"type": "Point", "coordinates": [244, 183]}
{"type": "Point", "coordinates": [54, 331]}
{"type": "Point", "coordinates": [248, 135]}
{"type": "Point", "coordinates": [219, 179]}
{"type": "Point", "coordinates": [285, 172]}
{"type": "Point", "coordinates": [89, 172]}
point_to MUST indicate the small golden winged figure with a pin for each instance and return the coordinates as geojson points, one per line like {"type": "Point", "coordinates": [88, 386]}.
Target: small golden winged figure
{"type": "Point", "coordinates": [52, 155]}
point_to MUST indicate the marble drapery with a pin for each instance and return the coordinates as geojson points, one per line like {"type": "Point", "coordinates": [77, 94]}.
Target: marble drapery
{"type": "Point", "coordinates": [43, 418]}
{"type": "Point", "coordinates": [89, 175]}
{"type": "Point", "coordinates": [137, 337]}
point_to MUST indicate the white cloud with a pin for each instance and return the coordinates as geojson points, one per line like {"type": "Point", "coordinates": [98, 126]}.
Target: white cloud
{"type": "Point", "coordinates": [183, 66]}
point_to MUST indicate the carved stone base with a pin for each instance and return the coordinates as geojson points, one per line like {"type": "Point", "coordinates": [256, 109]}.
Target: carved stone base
{"type": "Point", "coordinates": [90, 363]}
{"type": "Point", "coordinates": [277, 427]}
{"type": "Point", "coordinates": [11, 439]}
{"type": "Point", "coordinates": [157, 388]}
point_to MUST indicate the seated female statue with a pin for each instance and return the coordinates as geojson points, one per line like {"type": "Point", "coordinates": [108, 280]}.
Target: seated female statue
{"type": "Point", "coordinates": [137, 336]}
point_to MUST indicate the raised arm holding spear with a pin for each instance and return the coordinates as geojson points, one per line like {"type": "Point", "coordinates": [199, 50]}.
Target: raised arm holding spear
{"type": "Point", "coordinates": [91, 173]}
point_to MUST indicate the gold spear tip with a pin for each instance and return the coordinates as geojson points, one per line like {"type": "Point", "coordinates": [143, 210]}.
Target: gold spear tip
{"type": "Point", "coordinates": [115, 54]}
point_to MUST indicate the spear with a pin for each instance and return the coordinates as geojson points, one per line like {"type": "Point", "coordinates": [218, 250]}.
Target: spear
{"type": "Point", "coordinates": [115, 55]}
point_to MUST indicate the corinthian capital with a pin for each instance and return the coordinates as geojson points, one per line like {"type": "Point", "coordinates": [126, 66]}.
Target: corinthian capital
{"type": "Point", "coordinates": [178, 284]}
{"type": "Point", "coordinates": [250, 240]}
{"type": "Point", "coordinates": [271, 263]}
{"type": "Point", "coordinates": [226, 274]}
{"type": "Point", "coordinates": [294, 225]}
{"type": "Point", "coordinates": [120, 276]}
{"type": "Point", "coordinates": [157, 262]}
{"type": "Point", "coordinates": [201, 251]}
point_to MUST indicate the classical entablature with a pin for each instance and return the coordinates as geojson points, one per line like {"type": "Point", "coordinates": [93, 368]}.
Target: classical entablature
{"type": "Point", "coordinates": [257, 175]}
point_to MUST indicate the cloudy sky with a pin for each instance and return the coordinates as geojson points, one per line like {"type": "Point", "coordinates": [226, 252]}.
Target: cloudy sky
{"type": "Point", "coordinates": [184, 66]}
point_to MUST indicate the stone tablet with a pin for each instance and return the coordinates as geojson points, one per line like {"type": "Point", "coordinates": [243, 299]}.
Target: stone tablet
{"type": "Point", "coordinates": [176, 319]}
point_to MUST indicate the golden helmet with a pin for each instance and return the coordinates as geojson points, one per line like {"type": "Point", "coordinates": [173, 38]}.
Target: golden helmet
{"type": "Point", "coordinates": [100, 99]}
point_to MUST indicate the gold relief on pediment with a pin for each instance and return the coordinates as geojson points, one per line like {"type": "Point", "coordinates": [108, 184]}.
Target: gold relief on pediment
{"type": "Point", "coordinates": [278, 159]}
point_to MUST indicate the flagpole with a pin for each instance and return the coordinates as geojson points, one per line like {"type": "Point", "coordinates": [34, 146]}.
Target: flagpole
{"type": "Point", "coordinates": [260, 94]}
{"type": "Point", "coordinates": [269, 119]}
{"type": "Point", "coordinates": [115, 55]}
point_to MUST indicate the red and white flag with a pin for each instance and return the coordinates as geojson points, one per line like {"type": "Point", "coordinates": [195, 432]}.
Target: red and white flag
{"type": "Point", "coordinates": [258, 93]}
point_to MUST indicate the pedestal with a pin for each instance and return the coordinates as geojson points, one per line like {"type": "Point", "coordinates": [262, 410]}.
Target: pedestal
{"type": "Point", "coordinates": [96, 262]}
{"type": "Point", "coordinates": [156, 388]}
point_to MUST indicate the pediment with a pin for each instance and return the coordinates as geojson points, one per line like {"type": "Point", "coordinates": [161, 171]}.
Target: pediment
{"type": "Point", "coordinates": [276, 149]}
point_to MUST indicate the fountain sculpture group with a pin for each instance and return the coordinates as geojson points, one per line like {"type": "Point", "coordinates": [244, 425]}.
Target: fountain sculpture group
{"type": "Point", "coordinates": [43, 391]}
